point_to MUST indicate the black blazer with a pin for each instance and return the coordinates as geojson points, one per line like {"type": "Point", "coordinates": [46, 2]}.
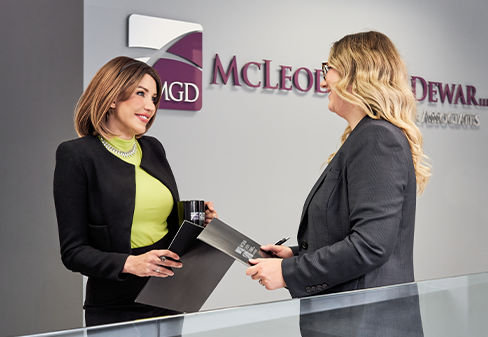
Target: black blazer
{"type": "Point", "coordinates": [357, 225]}
{"type": "Point", "coordinates": [94, 195]}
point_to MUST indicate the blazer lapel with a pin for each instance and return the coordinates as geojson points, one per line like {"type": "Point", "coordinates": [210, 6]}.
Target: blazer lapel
{"type": "Point", "coordinates": [155, 167]}
{"type": "Point", "coordinates": [322, 177]}
{"type": "Point", "coordinates": [319, 182]}
{"type": "Point", "coordinates": [312, 192]}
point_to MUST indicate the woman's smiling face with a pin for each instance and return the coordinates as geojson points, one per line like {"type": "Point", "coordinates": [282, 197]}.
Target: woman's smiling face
{"type": "Point", "coordinates": [130, 117]}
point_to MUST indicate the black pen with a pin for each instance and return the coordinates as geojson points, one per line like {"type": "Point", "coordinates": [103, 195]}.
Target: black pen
{"type": "Point", "coordinates": [282, 241]}
{"type": "Point", "coordinates": [270, 253]}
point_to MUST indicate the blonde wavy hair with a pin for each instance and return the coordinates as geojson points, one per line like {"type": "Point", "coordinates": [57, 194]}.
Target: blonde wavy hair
{"type": "Point", "coordinates": [373, 71]}
{"type": "Point", "coordinates": [114, 82]}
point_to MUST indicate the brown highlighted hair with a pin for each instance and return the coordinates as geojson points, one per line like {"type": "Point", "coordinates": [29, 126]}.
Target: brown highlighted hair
{"type": "Point", "coordinates": [114, 82]}
{"type": "Point", "coordinates": [375, 74]}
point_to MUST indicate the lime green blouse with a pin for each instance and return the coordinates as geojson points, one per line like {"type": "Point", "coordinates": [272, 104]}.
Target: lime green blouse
{"type": "Point", "coordinates": [153, 202]}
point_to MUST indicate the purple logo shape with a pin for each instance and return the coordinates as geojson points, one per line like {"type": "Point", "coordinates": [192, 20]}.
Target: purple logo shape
{"type": "Point", "coordinates": [182, 81]}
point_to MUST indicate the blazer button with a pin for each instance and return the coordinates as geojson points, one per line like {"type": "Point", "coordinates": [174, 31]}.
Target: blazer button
{"type": "Point", "coordinates": [304, 245]}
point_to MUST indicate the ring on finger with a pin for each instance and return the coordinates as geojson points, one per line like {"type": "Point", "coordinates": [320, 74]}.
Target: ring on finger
{"type": "Point", "coordinates": [157, 270]}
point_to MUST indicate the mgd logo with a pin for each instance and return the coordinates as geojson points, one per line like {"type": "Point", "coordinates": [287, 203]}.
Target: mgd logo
{"type": "Point", "coordinates": [178, 59]}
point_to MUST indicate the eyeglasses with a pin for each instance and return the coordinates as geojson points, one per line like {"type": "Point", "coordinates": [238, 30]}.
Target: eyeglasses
{"type": "Point", "coordinates": [325, 68]}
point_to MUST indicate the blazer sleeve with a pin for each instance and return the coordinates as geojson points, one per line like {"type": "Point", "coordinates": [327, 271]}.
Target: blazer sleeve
{"type": "Point", "coordinates": [71, 202]}
{"type": "Point", "coordinates": [376, 173]}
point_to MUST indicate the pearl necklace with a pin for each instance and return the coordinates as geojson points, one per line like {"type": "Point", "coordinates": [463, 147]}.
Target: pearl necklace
{"type": "Point", "coordinates": [112, 149]}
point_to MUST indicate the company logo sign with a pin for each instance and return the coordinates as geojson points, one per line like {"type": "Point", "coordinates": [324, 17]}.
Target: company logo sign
{"type": "Point", "coordinates": [450, 95]}
{"type": "Point", "coordinates": [301, 79]}
{"type": "Point", "coordinates": [177, 59]}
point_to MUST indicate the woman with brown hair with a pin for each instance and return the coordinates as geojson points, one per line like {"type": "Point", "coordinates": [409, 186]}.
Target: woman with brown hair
{"type": "Point", "coordinates": [115, 193]}
{"type": "Point", "coordinates": [357, 225]}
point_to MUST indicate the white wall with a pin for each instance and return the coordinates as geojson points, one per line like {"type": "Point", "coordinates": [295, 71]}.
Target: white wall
{"type": "Point", "coordinates": [257, 153]}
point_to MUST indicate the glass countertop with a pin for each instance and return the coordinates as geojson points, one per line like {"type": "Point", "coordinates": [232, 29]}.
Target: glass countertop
{"type": "Point", "coordinates": [456, 306]}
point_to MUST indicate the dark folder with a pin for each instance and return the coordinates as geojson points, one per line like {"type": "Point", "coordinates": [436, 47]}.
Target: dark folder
{"type": "Point", "coordinates": [205, 262]}
{"type": "Point", "coordinates": [185, 238]}
{"type": "Point", "coordinates": [189, 288]}
{"type": "Point", "coordinates": [231, 242]}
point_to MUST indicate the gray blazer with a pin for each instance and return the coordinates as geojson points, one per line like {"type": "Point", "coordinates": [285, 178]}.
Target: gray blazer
{"type": "Point", "coordinates": [357, 225]}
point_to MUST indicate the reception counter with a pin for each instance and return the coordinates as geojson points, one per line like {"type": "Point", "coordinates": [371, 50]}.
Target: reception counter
{"type": "Point", "coordinates": [456, 306]}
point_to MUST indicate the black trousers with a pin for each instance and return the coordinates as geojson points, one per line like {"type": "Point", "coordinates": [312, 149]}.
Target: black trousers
{"type": "Point", "coordinates": [110, 301]}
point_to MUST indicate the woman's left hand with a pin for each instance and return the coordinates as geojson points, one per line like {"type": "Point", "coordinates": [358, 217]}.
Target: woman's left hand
{"type": "Point", "coordinates": [210, 212]}
{"type": "Point", "coordinates": [268, 272]}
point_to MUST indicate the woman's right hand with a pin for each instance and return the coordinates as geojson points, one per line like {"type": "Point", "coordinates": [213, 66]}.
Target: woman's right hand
{"type": "Point", "coordinates": [280, 251]}
{"type": "Point", "coordinates": [151, 264]}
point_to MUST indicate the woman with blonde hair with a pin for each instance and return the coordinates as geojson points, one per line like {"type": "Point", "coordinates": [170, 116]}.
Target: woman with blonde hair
{"type": "Point", "coordinates": [115, 193]}
{"type": "Point", "coordinates": [357, 225]}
